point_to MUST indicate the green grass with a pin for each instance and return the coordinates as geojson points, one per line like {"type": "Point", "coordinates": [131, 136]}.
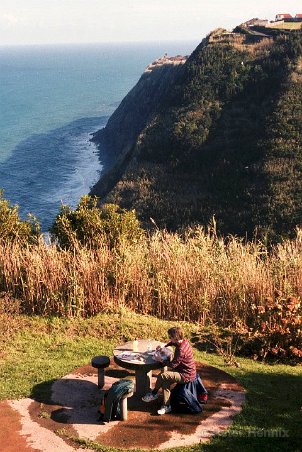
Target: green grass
{"type": "Point", "coordinates": [273, 403]}
{"type": "Point", "coordinates": [38, 351]}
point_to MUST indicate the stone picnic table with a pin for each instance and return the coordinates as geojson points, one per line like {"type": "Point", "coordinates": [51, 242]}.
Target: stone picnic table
{"type": "Point", "coordinates": [141, 361]}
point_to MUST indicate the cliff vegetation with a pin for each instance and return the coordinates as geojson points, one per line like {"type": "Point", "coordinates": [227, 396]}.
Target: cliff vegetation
{"type": "Point", "coordinates": [222, 138]}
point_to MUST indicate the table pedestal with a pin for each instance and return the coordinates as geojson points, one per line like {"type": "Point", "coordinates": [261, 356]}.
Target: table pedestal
{"type": "Point", "coordinates": [142, 381]}
{"type": "Point", "coordinates": [143, 365]}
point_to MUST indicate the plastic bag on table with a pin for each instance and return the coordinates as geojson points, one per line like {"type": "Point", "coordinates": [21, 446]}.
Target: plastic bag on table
{"type": "Point", "coordinates": [164, 354]}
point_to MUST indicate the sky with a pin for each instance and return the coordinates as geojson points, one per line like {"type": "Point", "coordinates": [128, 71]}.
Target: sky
{"type": "Point", "coordinates": [75, 21]}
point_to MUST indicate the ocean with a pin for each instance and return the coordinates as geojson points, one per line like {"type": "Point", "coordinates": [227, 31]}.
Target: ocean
{"type": "Point", "coordinates": [52, 98]}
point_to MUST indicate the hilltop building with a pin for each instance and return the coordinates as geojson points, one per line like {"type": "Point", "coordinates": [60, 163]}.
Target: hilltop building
{"type": "Point", "coordinates": [282, 21]}
{"type": "Point", "coordinates": [283, 16]}
{"type": "Point", "coordinates": [288, 18]}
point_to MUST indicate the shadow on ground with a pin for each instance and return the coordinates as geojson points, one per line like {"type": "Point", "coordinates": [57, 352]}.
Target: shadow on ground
{"type": "Point", "coordinates": [71, 404]}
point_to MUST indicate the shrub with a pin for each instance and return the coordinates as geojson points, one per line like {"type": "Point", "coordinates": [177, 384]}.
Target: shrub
{"type": "Point", "coordinates": [92, 226]}
{"type": "Point", "coordinates": [12, 228]}
{"type": "Point", "coordinates": [277, 328]}
{"type": "Point", "coordinates": [274, 331]}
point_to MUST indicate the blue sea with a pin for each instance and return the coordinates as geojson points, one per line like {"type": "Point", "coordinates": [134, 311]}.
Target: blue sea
{"type": "Point", "coordinates": [52, 98]}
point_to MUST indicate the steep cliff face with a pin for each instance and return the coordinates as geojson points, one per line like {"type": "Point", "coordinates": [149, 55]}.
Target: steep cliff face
{"type": "Point", "coordinates": [223, 139]}
{"type": "Point", "coordinates": [117, 140]}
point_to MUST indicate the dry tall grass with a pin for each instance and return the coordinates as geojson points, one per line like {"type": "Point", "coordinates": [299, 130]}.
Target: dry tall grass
{"type": "Point", "coordinates": [193, 277]}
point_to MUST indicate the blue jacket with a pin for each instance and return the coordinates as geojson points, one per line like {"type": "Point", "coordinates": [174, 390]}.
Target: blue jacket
{"type": "Point", "coordinates": [184, 396]}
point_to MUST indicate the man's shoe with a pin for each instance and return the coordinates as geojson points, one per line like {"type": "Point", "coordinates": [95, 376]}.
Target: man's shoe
{"type": "Point", "coordinates": [149, 397]}
{"type": "Point", "coordinates": [164, 409]}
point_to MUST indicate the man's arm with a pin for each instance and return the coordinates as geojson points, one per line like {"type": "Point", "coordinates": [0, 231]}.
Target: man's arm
{"type": "Point", "coordinates": [178, 359]}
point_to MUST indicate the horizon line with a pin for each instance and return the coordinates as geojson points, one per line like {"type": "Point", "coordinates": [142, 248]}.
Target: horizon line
{"type": "Point", "coordinates": [53, 44]}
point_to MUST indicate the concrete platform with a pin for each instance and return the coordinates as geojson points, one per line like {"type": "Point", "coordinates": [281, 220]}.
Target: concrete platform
{"type": "Point", "coordinates": [31, 425]}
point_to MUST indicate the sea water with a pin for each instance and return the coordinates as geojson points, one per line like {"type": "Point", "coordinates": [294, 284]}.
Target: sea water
{"type": "Point", "coordinates": [52, 98]}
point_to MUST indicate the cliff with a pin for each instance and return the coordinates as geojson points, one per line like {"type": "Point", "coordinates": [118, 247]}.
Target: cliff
{"type": "Point", "coordinates": [117, 139]}
{"type": "Point", "coordinates": [217, 136]}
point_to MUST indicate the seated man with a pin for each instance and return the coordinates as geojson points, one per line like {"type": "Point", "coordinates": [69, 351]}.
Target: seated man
{"type": "Point", "coordinates": [183, 365]}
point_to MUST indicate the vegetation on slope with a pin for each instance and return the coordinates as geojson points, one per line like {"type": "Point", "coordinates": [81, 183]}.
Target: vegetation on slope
{"type": "Point", "coordinates": [282, 146]}
{"type": "Point", "coordinates": [209, 148]}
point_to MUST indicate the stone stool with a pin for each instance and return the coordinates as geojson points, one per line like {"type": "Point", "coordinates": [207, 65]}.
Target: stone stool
{"type": "Point", "coordinates": [124, 407]}
{"type": "Point", "coordinates": [100, 363]}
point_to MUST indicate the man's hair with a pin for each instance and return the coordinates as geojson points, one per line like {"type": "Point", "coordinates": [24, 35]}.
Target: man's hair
{"type": "Point", "coordinates": [176, 332]}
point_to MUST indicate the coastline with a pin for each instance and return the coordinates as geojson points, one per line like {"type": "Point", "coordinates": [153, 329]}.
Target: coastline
{"type": "Point", "coordinates": [47, 169]}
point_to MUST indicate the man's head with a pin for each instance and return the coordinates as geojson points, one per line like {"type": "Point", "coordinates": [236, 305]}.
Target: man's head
{"type": "Point", "coordinates": [176, 334]}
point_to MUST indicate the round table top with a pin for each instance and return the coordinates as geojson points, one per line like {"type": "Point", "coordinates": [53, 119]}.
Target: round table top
{"type": "Point", "coordinates": [142, 359]}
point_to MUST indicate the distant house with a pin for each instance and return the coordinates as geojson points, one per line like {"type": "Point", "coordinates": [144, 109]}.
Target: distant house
{"type": "Point", "coordinates": [283, 16]}
{"type": "Point", "coordinates": [298, 16]}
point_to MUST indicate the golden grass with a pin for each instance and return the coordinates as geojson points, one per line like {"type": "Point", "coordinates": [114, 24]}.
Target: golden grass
{"type": "Point", "coordinates": [286, 25]}
{"type": "Point", "coordinates": [195, 277]}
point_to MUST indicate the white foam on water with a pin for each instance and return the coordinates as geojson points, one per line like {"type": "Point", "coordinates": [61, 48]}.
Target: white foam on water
{"type": "Point", "coordinates": [87, 171]}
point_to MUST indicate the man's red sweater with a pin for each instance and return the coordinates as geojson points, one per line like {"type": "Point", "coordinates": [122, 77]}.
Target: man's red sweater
{"type": "Point", "coordinates": [183, 360]}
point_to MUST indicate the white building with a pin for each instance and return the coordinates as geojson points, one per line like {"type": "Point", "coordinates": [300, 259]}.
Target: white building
{"type": "Point", "coordinates": [283, 16]}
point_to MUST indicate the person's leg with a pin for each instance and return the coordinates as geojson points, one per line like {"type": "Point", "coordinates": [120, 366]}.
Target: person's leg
{"type": "Point", "coordinates": [165, 380]}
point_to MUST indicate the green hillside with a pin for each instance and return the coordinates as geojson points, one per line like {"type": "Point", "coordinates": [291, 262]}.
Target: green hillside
{"type": "Point", "coordinates": [224, 139]}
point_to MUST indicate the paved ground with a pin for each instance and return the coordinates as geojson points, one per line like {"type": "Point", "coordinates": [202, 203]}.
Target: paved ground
{"type": "Point", "coordinates": [30, 425]}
